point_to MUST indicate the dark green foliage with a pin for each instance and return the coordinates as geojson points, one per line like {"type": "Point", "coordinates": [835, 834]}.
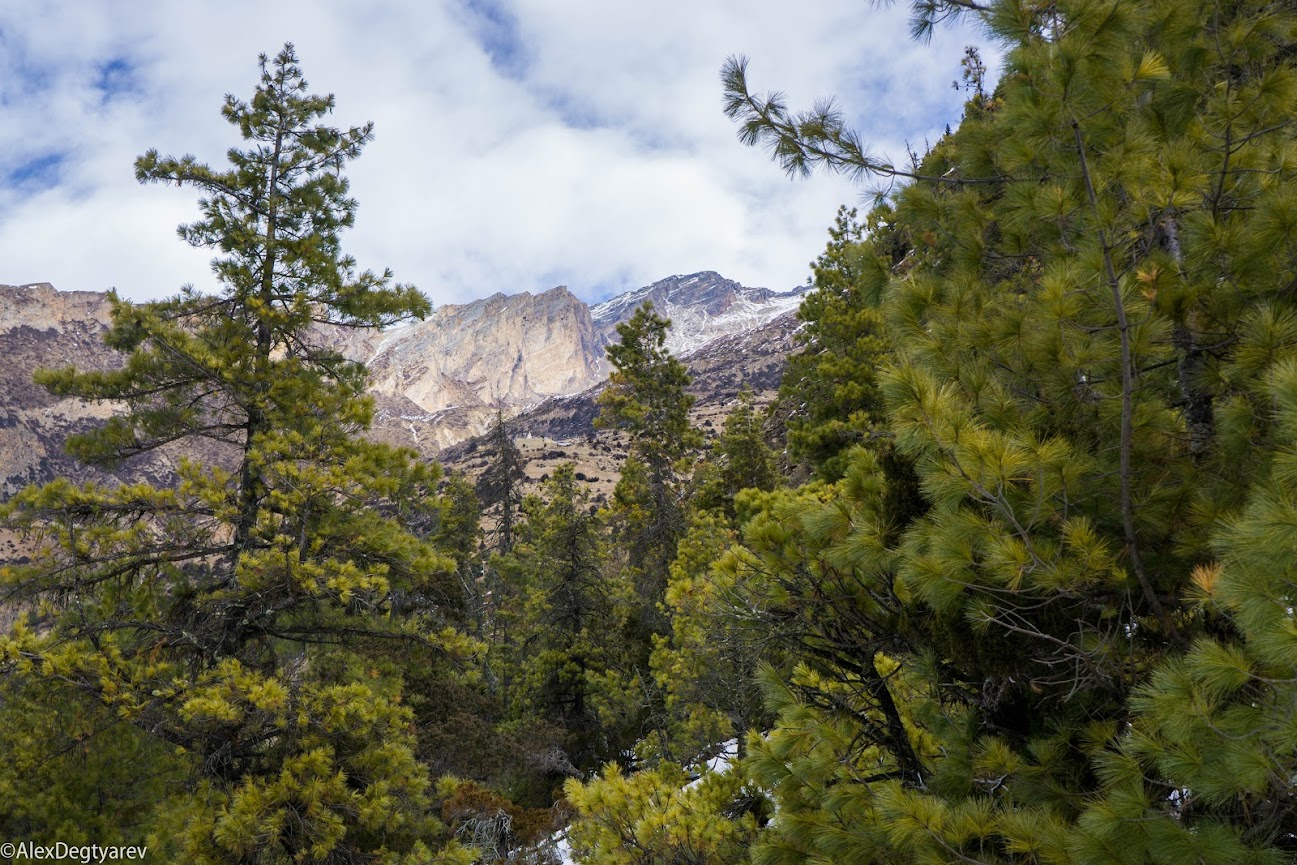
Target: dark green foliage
{"type": "Point", "coordinates": [1045, 614]}
{"type": "Point", "coordinates": [646, 398]}
{"type": "Point", "coordinates": [459, 536]}
{"type": "Point", "coordinates": [500, 485]}
{"type": "Point", "coordinates": [229, 618]}
{"type": "Point", "coordinates": [740, 459]}
{"type": "Point", "coordinates": [645, 394]}
{"type": "Point", "coordinates": [567, 617]}
{"type": "Point", "coordinates": [66, 756]}
{"type": "Point", "coordinates": [829, 393]}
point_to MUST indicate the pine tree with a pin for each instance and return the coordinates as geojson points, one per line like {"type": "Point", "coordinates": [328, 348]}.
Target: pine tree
{"type": "Point", "coordinates": [230, 617]}
{"type": "Point", "coordinates": [1075, 645]}
{"type": "Point", "coordinates": [568, 620]}
{"type": "Point", "coordinates": [829, 395]}
{"type": "Point", "coordinates": [66, 757]}
{"type": "Point", "coordinates": [659, 816]}
{"type": "Point", "coordinates": [706, 669]}
{"type": "Point", "coordinates": [459, 535]}
{"type": "Point", "coordinates": [646, 398]}
{"type": "Point", "coordinates": [739, 460]}
{"type": "Point", "coordinates": [501, 482]}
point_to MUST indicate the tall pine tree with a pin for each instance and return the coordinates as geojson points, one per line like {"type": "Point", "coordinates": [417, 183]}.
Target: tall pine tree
{"type": "Point", "coordinates": [646, 399]}
{"type": "Point", "coordinates": [1076, 645]}
{"type": "Point", "coordinates": [231, 615]}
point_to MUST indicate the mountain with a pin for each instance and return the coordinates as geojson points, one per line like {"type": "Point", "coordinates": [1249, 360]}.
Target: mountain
{"type": "Point", "coordinates": [43, 327]}
{"type": "Point", "coordinates": [442, 380]}
{"type": "Point", "coordinates": [435, 382]}
{"type": "Point", "coordinates": [561, 429]}
{"type": "Point", "coordinates": [702, 307]}
{"type": "Point", "coordinates": [719, 370]}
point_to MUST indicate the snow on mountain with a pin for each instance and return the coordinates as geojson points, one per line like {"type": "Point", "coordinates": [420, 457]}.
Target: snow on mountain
{"type": "Point", "coordinates": [435, 382]}
{"type": "Point", "coordinates": [702, 307]}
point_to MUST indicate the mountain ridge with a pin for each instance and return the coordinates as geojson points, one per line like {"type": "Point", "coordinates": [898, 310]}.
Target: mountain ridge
{"type": "Point", "coordinates": [435, 382]}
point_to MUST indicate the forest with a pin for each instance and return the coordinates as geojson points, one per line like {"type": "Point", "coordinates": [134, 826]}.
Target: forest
{"type": "Point", "coordinates": [1005, 574]}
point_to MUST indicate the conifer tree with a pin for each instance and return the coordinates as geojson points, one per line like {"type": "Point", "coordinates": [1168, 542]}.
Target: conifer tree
{"type": "Point", "coordinates": [659, 816]}
{"type": "Point", "coordinates": [739, 460]}
{"type": "Point", "coordinates": [829, 394]}
{"type": "Point", "coordinates": [1084, 628]}
{"type": "Point", "coordinates": [229, 617]}
{"type": "Point", "coordinates": [570, 615]}
{"type": "Point", "coordinates": [646, 398]}
{"type": "Point", "coordinates": [706, 669]}
{"type": "Point", "coordinates": [458, 535]}
{"type": "Point", "coordinates": [501, 482]}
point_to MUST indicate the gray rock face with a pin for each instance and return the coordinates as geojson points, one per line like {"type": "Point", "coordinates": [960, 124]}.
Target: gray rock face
{"type": "Point", "coordinates": [435, 382]}
{"type": "Point", "coordinates": [43, 327]}
{"type": "Point", "coordinates": [503, 351]}
{"type": "Point", "coordinates": [702, 307]}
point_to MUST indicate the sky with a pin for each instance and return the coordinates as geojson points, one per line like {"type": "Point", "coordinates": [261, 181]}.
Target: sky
{"type": "Point", "coordinates": [519, 144]}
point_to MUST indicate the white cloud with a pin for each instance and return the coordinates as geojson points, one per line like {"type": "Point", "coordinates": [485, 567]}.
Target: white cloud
{"type": "Point", "coordinates": [520, 143]}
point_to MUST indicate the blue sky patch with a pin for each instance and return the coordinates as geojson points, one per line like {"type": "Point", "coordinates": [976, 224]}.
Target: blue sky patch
{"type": "Point", "coordinates": [23, 77]}
{"type": "Point", "coordinates": [40, 172]}
{"type": "Point", "coordinates": [573, 113]}
{"type": "Point", "coordinates": [114, 77]}
{"type": "Point", "coordinates": [495, 28]}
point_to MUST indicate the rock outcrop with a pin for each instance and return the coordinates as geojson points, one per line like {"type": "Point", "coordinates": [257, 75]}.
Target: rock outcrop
{"type": "Point", "coordinates": [435, 382]}
{"type": "Point", "coordinates": [42, 327]}
{"type": "Point", "coordinates": [702, 307]}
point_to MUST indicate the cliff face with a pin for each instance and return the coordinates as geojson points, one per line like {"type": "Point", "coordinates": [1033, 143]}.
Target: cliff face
{"type": "Point", "coordinates": [503, 351]}
{"type": "Point", "coordinates": [43, 327]}
{"type": "Point", "coordinates": [442, 380]}
{"type": "Point", "coordinates": [719, 371]}
{"type": "Point", "coordinates": [435, 382]}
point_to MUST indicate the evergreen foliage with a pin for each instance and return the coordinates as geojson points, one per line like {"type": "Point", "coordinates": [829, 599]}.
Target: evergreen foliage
{"type": "Point", "coordinates": [230, 618]}
{"type": "Point", "coordinates": [739, 460]}
{"type": "Point", "coordinates": [570, 619]}
{"type": "Point", "coordinates": [646, 398]}
{"type": "Point", "coordinates": [501, 483]}
{"type": "Point", "coordinates": [1044, 615]}
{"type": "Point", "coordinates": [1036, 605]}
{"type": "Point", "coordinates": [706, 669]}
{"type": "Point", "coordinates": [829, 395]}
{"type": "Point", "coordinates": [658, 815]}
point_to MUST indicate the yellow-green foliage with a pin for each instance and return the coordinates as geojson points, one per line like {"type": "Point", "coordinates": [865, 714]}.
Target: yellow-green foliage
{"type": "Point", "coordinates": [228, 619]}
{"type": "Point", "coordinates": [658, 816]}
{"type": "Point", "coordinates": [1090, 382]}
{"type": "Point", "coordinates": [704, 668]}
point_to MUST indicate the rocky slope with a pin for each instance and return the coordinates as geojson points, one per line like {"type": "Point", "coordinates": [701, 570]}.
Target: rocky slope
{"type": "Point", "coordinates": [442, 381]}
{"type": "Point", "coordinates": [42, 327]}
{"type": "Point", "coordinates": [435, 382]}
{"type": "Point", "coordinates": [702, 307]}
{"type": "Point", "coordinates": [561, 429]}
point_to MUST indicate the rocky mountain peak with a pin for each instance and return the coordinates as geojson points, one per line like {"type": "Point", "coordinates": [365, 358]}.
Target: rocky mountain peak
{"type": "Point", "coordinates": [42, 307]}
{"type": "Point", "coordinates": [435, 382]}
{"type": "Point", "coordinates": [702, 307]}
{"type": "Point", "coordinates": [501, 351]}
